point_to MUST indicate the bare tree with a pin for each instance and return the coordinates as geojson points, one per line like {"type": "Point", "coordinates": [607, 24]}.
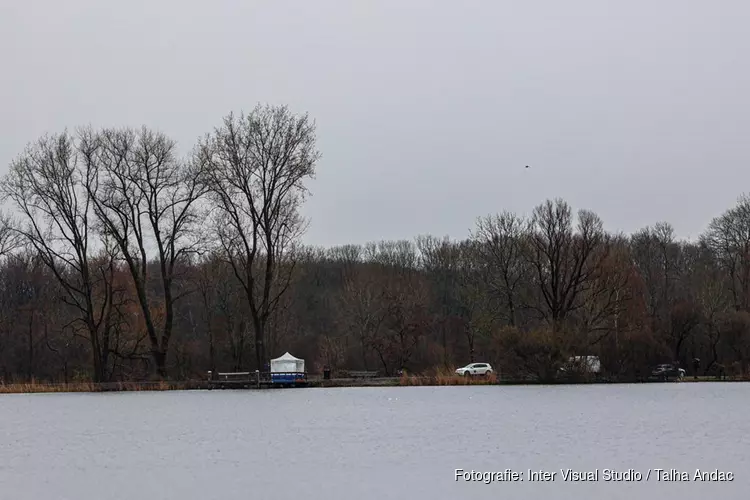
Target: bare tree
{"type": "Point", "coordinates": [728, 236]}
{"type": "Point", "coordinates": [685, 317]}
{"type": "Point", "coordinates": [714, 301]}
{"type": "Point", "coordinates": [564, 261]}
{"type": "Point", "coordinates": [404, 322]}
{"type": "Point", "coordinates": [659, 260]}
{"type": "Point", "coordinates": [51, 188]}
{"type": "Point", "coordinates": [235, 321]}
{"type": "Point", "coordinates": [647, 259]}
{"type": "Point", "coordinates": [440, 258]}
{"type": "Point", "coordinates": [9, 238]}
{"type": "Point", "coordinates": [736, 336]}
{"type": "Point", "coordinates": [209, 278]}
{"type": "Point", "coordinates": [669, 252]}
{"type": "Point", "coordinates": [145, 197]}
{"type": "Point", "coordinates": [347, 257]}
{"type": "Point", "coordinates": [607, 294]}
{"type": "Point", "coordinates": [501, 242]}
{"type": "Point", "coordinates": [399, 253]}
{"type": "Point", "coordinates": [256, 166]}
{"type": "Point", "coordinates": [113, 299]}
{"type": "Point", "coordinates": [438, 255]}
{"type": "Point", "coordinates": [479, 305]}
{"type": "Point", "coordinates": [363, 307]}
{"type": "Point", "coordinates": [331, 351]}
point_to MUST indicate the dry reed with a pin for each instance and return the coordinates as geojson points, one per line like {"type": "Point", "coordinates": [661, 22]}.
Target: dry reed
{"type": "Point", "coordinates": [86, 386]}
{"type": "Point", "coordinates": [443, 377]}
{"type": "Point", "coordinates": [34, 387]}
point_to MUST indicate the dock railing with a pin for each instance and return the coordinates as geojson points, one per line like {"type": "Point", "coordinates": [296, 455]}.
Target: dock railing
{"type": "Point", "coordinates": [256, 378]}
{"type": "Point", "coordinates": [359, 374]}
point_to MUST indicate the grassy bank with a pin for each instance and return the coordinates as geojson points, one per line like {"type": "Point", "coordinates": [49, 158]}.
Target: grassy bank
{"type": "Point", "coordinates": [438, 379]}
{"type": "Point", "coordinates": [406, 381]}
{"type": "Point", "coordinates": [441, 379]}
{"type": "Point", "coordinates": [45, 387]}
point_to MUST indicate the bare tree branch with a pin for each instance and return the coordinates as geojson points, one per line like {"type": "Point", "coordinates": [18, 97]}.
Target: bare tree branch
{"type": "Point", "coordinates": [145, 197]}
{"type": "Point", "coordinates": [51, 188]}
{"type": "Point", "coordinates": [255, 167]}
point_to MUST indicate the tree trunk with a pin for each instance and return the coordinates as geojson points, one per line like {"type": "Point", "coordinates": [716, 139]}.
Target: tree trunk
{"type": "Point", "coordinates": [30, 369]}
{"type": "Point", "coordinates": [260, 354]}
{"type": "Point", "coordinates": [470, 338]}
{"type": "Point", "coordinates": [363, 345]}
{"type": "Point", "coordinates": [211, 350]}
{"type": "Point", "coordinates": [160, 362]}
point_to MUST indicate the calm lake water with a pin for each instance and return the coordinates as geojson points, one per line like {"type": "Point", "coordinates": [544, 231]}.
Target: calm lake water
{"type": "Point", "coordinates": [374, 443]}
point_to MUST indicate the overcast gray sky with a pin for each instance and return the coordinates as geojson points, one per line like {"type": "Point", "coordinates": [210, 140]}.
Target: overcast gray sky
{"type": "Point", "coordinates": [427, 111]}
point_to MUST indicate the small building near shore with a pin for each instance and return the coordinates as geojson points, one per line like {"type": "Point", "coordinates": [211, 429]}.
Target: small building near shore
{"type": "Point", "coordinates": [287, 368]}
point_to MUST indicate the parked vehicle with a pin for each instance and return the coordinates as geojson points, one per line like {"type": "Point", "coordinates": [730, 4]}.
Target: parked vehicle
{"type": "Point", "coordinates": [667, 371]}
{"type": "Point", "coordinates": [475, 369]}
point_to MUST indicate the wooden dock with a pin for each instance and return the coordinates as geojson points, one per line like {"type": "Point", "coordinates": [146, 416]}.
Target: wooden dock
{"type": "Point", "coordinates": [256, 380]}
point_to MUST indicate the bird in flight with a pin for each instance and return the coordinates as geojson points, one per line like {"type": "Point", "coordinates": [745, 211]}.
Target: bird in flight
{"type": "Point", "coordinates": [527, 166]}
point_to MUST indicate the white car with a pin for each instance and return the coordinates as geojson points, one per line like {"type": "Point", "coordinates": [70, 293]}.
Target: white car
{"type": "Point", "coordinates": [475, 369]}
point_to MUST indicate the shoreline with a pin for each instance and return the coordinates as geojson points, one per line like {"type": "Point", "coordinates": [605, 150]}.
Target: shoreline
{"type": "Point", "coordinates": [410, 381]}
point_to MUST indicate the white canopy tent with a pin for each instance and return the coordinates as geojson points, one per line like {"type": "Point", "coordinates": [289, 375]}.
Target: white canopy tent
{"type": "Point", "coordinates": [287, 363]}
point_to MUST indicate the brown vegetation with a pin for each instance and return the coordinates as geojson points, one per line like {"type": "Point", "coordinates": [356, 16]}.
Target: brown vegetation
{"type": "Point", "coordinates": [35, 386]}
{"type": "Point", "coordinates": [125, 261]}
{"type": "Point", "coordinates": [442, 376]}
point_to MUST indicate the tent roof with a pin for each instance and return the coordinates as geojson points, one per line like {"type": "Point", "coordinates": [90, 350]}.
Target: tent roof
{"type": "Point", "coordinates": [286, 357]}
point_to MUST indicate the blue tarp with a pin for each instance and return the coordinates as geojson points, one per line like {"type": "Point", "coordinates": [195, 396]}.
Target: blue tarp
{"type": "Point", "coordinates": [286, 377]}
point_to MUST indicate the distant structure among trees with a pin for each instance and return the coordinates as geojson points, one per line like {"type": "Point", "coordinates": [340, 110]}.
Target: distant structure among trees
{"type": "Point", "coordinates": [123, 261]}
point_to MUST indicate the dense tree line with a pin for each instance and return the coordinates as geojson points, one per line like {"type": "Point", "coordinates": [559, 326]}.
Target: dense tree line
{"type": "Point", "coordinates": [123, 260]}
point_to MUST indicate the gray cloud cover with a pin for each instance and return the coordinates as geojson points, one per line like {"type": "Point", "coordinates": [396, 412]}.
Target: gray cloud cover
{"type": "Point", "coordinates": [427, 111]}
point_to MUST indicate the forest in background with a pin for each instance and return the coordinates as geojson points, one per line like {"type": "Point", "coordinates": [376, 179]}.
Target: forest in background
{"type": "Point", "coordinates": [124, 261]}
